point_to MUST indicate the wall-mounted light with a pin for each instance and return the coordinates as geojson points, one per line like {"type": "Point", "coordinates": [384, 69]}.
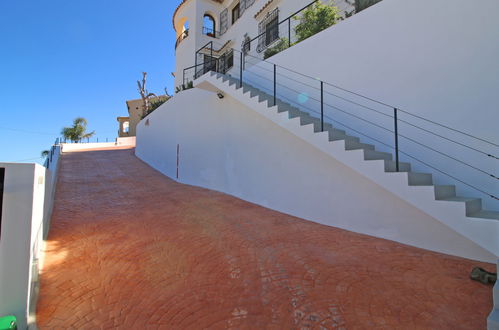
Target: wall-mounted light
{"type": "Point", "coordinates": [220, 95]}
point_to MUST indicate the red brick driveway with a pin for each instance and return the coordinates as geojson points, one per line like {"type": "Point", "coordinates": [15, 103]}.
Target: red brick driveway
{"type": "Point", "coordinates": [132, 249]}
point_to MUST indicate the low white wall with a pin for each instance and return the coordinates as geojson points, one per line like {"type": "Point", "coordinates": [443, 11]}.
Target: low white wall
{"type": "Point", "coordinates": [29, 191]}
{"type": "Point", "coordinates": [126, 141]}
{"type": "Point", "coordinates": [51, 182]}
{"type": "Point", "coordinates": [228, 147]}
{"type": "Point", "coordinates": [419, 56]}
{"type": "Point", "coordinates": [22, 217]}
{"type": "Point", "coordinates": [122, 141]}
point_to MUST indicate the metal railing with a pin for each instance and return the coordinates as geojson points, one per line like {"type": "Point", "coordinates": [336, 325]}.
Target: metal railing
{"type": "Point", "coordinates": [210, 32]}
{"type": "Point", "coordinates": [434, 146]}
{"type": "Point", "coordinates": [181, 37]}
{"type": "Point", "coordinates": [88, 140]}
{"type": "Point", "coordinates": [50, 156]}
{"type": "Point", "coordinates": [285, 30]}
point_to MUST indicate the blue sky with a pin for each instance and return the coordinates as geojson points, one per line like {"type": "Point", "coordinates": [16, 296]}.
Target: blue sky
{"type": "Point", "coordinates": [63, 59]}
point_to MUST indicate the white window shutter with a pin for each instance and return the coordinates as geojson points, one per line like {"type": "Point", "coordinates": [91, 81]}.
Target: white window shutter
{"type": "Point", "coordinates": [224, 21]}
{"type": "Point", "coordinates": [242, 7]}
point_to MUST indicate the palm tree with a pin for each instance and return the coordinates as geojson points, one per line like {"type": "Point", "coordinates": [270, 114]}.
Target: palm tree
{"type": "Point", "coordinates": [78, 131]}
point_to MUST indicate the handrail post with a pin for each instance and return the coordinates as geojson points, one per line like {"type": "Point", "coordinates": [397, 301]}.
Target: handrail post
{"type": "Point", "coordinates": [397, 164]}
{"type": "Point", "coordinates": [322, 106]}
{"type": "Point", "coordinates": [241, 70]}
{"type": "Point", "coordinates": [211, 56]}
{"type": "Point", "coordinates": [289, 32]}
{"type": "Point", "coordinates": [275, 85]}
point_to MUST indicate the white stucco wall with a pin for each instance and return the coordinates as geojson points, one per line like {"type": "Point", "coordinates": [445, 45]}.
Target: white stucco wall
{"type": "Point", "coordinates": [420, 56]}
{"type": "Point", "coordinates": [22, 216]}
{"type": "Point", "coordinates": [28, 199]}
{"type": "Point", "coordinates": [228, 147]}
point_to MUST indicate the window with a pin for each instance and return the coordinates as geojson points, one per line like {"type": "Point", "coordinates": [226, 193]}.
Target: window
{"type": "Point", "coordinates": [209, 26]}
{"type": "Point", "coordinates": [268, 30]}
{"type": "Point", "coordinates": [209, 63]}
{"type": "Point", "coordinates": [230, 60]}
{"type": "Point", "coordinates": [272, 31]}
{"type": "Point", "coordinates": [224, 21]}
{"type": "Point", "coordinates": [235, 13]}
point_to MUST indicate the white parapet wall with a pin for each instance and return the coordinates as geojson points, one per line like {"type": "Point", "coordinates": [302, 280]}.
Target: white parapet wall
{"type": "Point", "coordinates": [22, 231]}
{"type": "Point", "coordinates": [119, 142]}
{"type": "Point", "coordinates": [418, 56]}
{"type": "Point", "coordinates": [226, 146]}
{"type": "Point", "coordinates": [28, 198]}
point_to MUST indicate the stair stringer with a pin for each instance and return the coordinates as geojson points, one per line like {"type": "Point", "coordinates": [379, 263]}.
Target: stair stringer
{"type": "Point", "coordinates": [483, 232]}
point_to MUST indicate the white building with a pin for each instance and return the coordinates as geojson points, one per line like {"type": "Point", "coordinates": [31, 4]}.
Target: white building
{"type": "Point", "coordinates": [383, 124]}
{"type": "Point", "coordinates": [223, 25]}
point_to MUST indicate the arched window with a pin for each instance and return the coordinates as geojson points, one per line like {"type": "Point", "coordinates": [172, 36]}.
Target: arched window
{"type": "Point", "coordinates": [209, 25]}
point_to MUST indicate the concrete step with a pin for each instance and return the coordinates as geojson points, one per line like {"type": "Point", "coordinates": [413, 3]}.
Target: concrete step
{"type": "Point", "coordinates": [473, 205]}
{"type": "Point", "coordinates": [339, 134]}
{"type": "Point", "coordinates": [355, 145]}
{"type": "Point", "coordinates": [445, 191]}
{"type": "Point", "coordinates": [391, 166]}
{"type": "Point", "coordinates": [375, 155]}
{"type": "Point", "coordinates": [420, 179]}
{"type": "Point", "coordinates": [483, 214]}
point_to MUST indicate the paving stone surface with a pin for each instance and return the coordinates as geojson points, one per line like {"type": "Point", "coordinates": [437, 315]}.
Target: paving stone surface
{"type": "Point", "coordinates": [131, 249]}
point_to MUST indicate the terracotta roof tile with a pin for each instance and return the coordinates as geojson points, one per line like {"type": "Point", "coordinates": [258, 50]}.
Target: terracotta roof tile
{"type": "Point", "coordinates": [263, 8]}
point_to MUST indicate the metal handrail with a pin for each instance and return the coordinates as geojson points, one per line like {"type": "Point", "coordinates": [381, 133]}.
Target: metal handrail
{"type": "Point", "coordinates": [181, 37]}
{"type": "Point", "coordinates": [376, 101]}
{"type": "Point", "coordinates": [395, 132]}
{"type": "Point", "coordinates": [287, 19]}
{"type": "Point", "coordinates": [210, 32]}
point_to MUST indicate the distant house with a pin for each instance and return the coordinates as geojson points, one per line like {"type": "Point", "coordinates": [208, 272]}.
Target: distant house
{"type": "Point", "coordinates": [127, 125]}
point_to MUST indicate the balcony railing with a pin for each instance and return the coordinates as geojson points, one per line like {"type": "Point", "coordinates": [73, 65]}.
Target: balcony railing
{"type": "Point", "coordinates": [181, 38]}
{"type": "Point", "coordinates": [210, 32]}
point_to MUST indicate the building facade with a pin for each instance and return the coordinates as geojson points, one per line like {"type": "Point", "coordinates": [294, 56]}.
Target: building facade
{"type": "Point", "coordinates": [213, 29]}
{"type": "Point", "coordinates": [128, 125]}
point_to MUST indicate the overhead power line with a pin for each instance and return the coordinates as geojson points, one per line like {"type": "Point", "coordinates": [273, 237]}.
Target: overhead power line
{"type": "Point", "coordinates": [26, 131]}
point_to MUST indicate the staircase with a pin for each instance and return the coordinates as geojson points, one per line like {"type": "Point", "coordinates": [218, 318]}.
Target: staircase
{"type": "Point", "coordinates": [463, 214]}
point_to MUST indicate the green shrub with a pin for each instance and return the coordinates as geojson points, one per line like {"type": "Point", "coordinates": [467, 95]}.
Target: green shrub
{"type": "Point", "coordinates": [154, 104]}
{"type": "Point", "coordinates": [363, 4]}
{"type": "Point", "coordinates": [281, 45]}
{"type": "Point", "coordinates": [316, 18]}
{"type": "Point", "coordinates": [184, 87]}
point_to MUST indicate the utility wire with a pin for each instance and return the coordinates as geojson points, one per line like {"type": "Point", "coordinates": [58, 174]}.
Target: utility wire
{"type": "Point", "coordinates": [26, 131]}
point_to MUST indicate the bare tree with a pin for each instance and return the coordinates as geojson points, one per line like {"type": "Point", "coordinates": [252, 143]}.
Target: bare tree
{"type": "Point", "coordinates": [144, 94]}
